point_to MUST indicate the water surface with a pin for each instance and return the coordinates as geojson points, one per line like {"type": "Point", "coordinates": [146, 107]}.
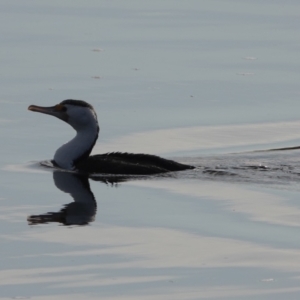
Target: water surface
{"type": "Point", "coordinates": [203, 82]}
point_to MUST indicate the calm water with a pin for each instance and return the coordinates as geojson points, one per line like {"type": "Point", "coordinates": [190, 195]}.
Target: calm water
{"type": "Point", "coordinates": [203, 82]}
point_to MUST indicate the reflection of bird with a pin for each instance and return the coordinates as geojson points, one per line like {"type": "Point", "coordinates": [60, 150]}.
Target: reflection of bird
{"type": "Point", "coordinates": [74, 155]}
{"type": "Point", "coordinates": [81, 211]}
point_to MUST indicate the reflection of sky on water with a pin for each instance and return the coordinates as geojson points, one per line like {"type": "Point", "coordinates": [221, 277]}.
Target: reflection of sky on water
{"type": "Point", "coordinates": [126, 258]}
{"type": "Point", "coordinates": [226, 237]}
{"type": "Point", "coordinates": [208, 139]}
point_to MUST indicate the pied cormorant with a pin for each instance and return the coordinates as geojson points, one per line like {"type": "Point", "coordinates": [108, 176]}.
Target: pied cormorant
{"type": "Point", "coordinates": [75, 154]}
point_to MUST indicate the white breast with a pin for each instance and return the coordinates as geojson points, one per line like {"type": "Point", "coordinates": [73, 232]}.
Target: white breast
{"type": "Point", "coordinates": [84, 121]}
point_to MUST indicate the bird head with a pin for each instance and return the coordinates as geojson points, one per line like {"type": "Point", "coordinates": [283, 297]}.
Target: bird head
{"type": "Point", "coordinates": [79, 114]}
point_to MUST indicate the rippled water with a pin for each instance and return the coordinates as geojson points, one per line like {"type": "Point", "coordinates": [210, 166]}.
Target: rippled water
{"type": "Point", "coordinates": [266, 167]}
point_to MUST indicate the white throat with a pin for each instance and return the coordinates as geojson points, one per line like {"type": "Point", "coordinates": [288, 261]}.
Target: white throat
{"type": "Point", "coordinates": [84, 121]}
{"type": "Point", "coordinates": [78, 148]}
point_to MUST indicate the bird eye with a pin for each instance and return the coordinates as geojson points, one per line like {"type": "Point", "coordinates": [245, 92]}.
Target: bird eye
{"type": "Point", "coordinates": [60, 107]}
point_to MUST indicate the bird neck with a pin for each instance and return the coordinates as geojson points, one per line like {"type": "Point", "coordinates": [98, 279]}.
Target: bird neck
{"type": "Point", "coordinates": [78, 149]}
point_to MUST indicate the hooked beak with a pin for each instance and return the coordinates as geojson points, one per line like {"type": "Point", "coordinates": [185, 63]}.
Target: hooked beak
{"type": "Point", "coordinates": [58, 111]}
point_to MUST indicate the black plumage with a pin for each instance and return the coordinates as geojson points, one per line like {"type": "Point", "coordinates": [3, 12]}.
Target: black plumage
{"type": "Point", "coordinates": [129, 163]}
